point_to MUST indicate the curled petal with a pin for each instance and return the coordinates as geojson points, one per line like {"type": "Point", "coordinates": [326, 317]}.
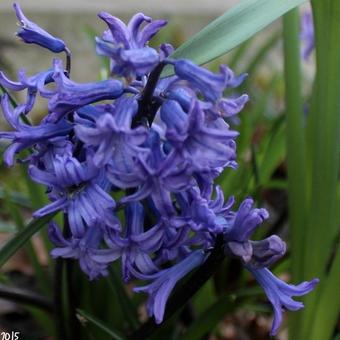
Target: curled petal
{"type": "Point", "coordinates": [150, 29]}
{"type": "Point", "coordinates": [160, 289]}
{"type": "Point", "coordinates": [119, 32]}
{"type": "Point", "coordinates": [229, 107]}
{"type": "Point", "coordinates": [280, 293]}
{"type": "Point", "coordinates": [245, 222]}
{"type": "Point", "coordinates": [209, 84]}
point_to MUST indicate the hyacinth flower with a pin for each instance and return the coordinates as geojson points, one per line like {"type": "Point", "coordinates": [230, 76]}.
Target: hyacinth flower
{"type": "Point", "coordinates": [135, 245]}
{"type": "Point", "coordinates": [70, 95]}
{"type": "Point", "coordinates": [229, 107]}
{"type": "Point", "coordinates": [157, 174]}
{"type": "Point", "coordinates": [113, 137]}
{"type": "Point", "coordinates": [240, 226]}
{"type": "Point", "coordinates": [280, 293]}
{"type": "Point", "coordinates": [185, 131]}
{"type": "Point", "coordinates": [31, 33]}
{"type": "Point", "coordinates": [84, 207]}
{"type": "Point", "coordinates": [258, 255]}
{"type": "Point", "coordinates": [160, 289]}
{"type": "Point", "coordinates": [126, 45]}
{"type": "Point", "coordinates": [159, 143]}
{"type": "Point", "coordinates": [202, 213]}
{"type": "Point", "coordinates": [25, 135]}
{"type": "Point", "coordinates": [32, 84]}
{"type": "Point", "coordinates": [209, 84]}
{"type": "Point", "coordinates": [85, 248]}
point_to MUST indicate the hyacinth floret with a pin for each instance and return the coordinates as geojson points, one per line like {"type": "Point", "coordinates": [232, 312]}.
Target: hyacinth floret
{"type": "Point", "coordinates": [161, 142]}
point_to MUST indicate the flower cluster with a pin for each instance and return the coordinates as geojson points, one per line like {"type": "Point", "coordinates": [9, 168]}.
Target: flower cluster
{"type": "Point", "coordinates": [161, 142]}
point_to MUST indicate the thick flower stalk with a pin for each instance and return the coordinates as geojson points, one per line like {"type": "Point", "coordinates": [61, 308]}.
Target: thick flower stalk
{"type": "Point", "coordinates": [162, 142]}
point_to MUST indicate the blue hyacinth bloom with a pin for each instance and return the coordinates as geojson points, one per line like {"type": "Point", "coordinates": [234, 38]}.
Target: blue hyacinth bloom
{"type": "Point", "coordinates": [25, 135]}
{"type": "Point", "coordinates": [280, 293]}
{"type": "Point", "coordinates": [126, 45]}
{"type": "Point", "coordinates": [31, 33]}
{"type": "Point", "coordinates": [164, 282]}
{"type": "Point", "coordinates": [112, 136]}
{"type": "Point", "coordinates": [70, 95]}
{"type": "Point", "coordinates": [147, 146]}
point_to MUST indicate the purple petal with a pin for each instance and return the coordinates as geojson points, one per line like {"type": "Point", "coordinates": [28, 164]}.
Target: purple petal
{"type": "Point", "coordinates": [118, 29]}
{"type": "Point", "coordinates": [33, 34]}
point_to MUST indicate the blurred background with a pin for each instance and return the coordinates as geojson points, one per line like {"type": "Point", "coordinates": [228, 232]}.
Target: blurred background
{"type": "Point", "coordinates": [71, 20]}
{"type": "Point", "coordinates": [261, 146]}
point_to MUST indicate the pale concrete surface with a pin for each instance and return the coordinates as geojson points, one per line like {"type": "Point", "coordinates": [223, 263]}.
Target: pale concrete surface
{"type": "Point", "coordinates": [188, 7]}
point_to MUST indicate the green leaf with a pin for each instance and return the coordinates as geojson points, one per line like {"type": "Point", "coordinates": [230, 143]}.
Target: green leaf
{"type": "Point", "coordinates": [98, 323]}
{"type": "Point", "coordinates": [41, 277]}
{"type": "Point", "coordinates": [295, 150]}
{"type": "Point", "coordinates": [327, 310]}
{"type": "Point", "coordinates": [273, 154]}
{"type": "Point", "coordinates": [205, 296]}
{"type": "Point", "coordinates": [127, 307]}
{"type": "Point", "coordinates": [295, 136]}
{"type": "Point", "coordinates": [324, 142]}
{"type": "Point", "coordinates": [323, 161]}
{"type": "Point", "coordinates": [20, 238]}
{"type": "Point", "coordinates": [232, 28]}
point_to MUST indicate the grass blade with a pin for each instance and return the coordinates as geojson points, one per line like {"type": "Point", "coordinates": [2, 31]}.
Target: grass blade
{"type": "Point", "coordinates": [124, 301]}
{"type": "Point", "coordinates": [98, 323]}
{"type": "Point", "coordinates": [327, 310]}
{"type": "Point", "coordinates": [42, 279]}
{"type": "Point", "coordinates": [295, 149]}
{"type": "Point", "coordinates": [21, 237]}
{"type": "Point", "coordinates": [325, 143]}
{"type": "Point", "coordinates": [324, 150]}
{"type": "Point", "coordinates": [294, 134]}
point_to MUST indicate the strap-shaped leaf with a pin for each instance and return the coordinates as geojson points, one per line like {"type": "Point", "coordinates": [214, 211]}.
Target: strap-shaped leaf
{"type": "Point", "coordinates": [113, 334]}
{"type": "Point", "coordinates": [123, 299]}
{"type": "Point", "coordinates": [20, 238]}
{"type": "Point", "coordinates": [232, 28]}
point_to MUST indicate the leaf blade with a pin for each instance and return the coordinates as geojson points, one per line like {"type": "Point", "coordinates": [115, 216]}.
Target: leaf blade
{"type": "Point", "coordinates": [22, 237]}
{"type": "Point", "coordinates": [235, 26]}
{"type": "Point", "coordinates": [113, 334]}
